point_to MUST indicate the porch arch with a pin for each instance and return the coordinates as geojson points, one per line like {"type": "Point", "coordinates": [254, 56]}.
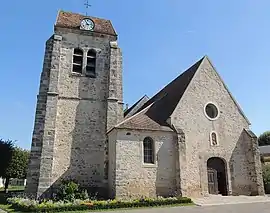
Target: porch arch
{"type": "Point", "coordinates": [217, 176]}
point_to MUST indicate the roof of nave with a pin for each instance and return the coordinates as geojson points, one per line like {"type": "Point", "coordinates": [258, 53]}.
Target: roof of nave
{"type": "Point", "coordinates": [154, 114]}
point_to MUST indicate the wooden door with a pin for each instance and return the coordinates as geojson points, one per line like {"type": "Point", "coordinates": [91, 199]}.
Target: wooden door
{"type": "Point", "coordinates": [212, 181]}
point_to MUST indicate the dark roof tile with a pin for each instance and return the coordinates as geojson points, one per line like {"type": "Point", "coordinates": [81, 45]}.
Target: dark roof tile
{"type": "Point", "coordinates": [167, 99]}
{"type": "Point", "coordinates": [154, 114]}
{"type": "Point", "coordinates": [135, 107]}
{"type": "Point", "coordinates": [143, 122]}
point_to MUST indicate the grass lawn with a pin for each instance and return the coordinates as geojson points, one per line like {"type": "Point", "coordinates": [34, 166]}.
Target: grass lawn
{"type": "Point", "coordinates": [13, 188]}
{"type": "Point", "coordinates": [3, 197]}
{"type": "Point", "coordinates": [7, 208]}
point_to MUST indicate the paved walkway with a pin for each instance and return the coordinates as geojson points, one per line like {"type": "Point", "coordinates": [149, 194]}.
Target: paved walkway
{"type": "Point", "coordinates": [213, 200]}
{"type": "Point", "coordinates": [257, 207]}
{"type": "Point", "coordinates": [236, 208]}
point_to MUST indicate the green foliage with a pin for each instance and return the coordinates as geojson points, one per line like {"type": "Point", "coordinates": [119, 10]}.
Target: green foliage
{"type": "Point", "coordinates": [266, 174]}
{"type": "Point", "coordinates": [264, 139]}
{"type": "Point", "coordinates": [70, 190]}
{"type": "Point", "coordinates": [14, 189]}
{"type": "Point", "coordinates": [18, 165]}
{"type": "Point", "coordinates": [13, 161]}
{"type": "Point", "coordinates": [3, 198]}
{"type": "Point", "coordinates": [266, 178]}
{"type": "Point", "coordinates": [6, 148]}
{"type": "Point", "coordinates": [27, 205]}
{"type": "Point", "coordinates": [82, 195]}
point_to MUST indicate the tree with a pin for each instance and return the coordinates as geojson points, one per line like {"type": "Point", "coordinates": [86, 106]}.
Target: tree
{"type": "Point", "coordinates": [17, 167]}
{"type": "Point", "coordinates": [264, 139]}
{"type": "Point", "coordinates": [6, 149]}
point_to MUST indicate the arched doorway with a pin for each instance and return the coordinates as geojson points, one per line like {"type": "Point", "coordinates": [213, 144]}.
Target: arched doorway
{"type": "Point", "coordinates": [216, 172]}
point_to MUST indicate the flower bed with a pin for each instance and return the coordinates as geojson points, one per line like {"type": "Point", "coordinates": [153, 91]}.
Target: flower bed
{"type": "Point", "coordinates": [27, 205]}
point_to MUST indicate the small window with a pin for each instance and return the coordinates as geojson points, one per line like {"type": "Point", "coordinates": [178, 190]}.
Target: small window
{"type": "Point", "coordinates": [148, 150]}
{"type": "Point", "coordinates": [211, 111]}
{"type": "Point", "coordinates": [77, 61]}
{"type": "Point", "coordinates": [214, 139]}
{"type": "Point", "coordinates": [91, 63]}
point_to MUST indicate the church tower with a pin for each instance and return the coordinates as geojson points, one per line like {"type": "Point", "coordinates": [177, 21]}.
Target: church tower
{"type": "Point", "coordinates": [79, 100]}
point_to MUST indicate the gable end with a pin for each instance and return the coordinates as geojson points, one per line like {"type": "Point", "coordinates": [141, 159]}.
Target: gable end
{"type": "Point", "coordinates": [225, 86]}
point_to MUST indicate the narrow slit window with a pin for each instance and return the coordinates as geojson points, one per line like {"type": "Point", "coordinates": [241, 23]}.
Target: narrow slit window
{"type": "Point", "coordinates": [214, 139]}
{"type": "Point", "coordinates": [148, 150]}
{"type": "Point", "coordinates": [77, 61]}
{"type": "Point", "coordinates": [91, 63]}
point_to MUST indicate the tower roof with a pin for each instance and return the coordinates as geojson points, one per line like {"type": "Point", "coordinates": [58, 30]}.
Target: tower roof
{"type": "Point", "coordinates": [73, 21]}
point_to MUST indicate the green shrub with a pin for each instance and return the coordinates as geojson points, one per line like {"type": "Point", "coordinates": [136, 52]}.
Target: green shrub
{"type": "Point", "coordinates": [27, 205]}
{"type": "Point", "coordinates": [3, 198]}
{"type": "Point", "coordinates": [69, 191]}
{"type": "Point", "coordinates": [82, 195]}
{"type": "Point", "coordinates": [266, 178]}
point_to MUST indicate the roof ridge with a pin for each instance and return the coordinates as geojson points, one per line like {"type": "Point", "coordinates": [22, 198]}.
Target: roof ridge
{"type": "Point", "coordinates": [135, 104]}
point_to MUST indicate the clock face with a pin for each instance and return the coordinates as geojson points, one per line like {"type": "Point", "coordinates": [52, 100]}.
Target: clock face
{"type": "Point", "coordinates": [87, 24]}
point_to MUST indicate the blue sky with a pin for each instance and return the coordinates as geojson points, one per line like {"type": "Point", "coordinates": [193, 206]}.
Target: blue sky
{"type": "Point", "coordinates": [159, 38]}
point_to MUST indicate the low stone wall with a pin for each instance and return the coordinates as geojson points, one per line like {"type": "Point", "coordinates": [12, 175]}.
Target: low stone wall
{"type": "Point", "coordinates": [17, 182]}
{"type": "Point", "coordinates": [265, 150]}
{"type": "Point", "coordinates": [13, 182]}
{"type": "Point", "coordinates": [265, 154]}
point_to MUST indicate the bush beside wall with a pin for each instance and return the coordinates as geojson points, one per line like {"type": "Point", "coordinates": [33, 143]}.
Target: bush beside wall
{"type": "Point", "coordinates": [27, 205]}
{"type": "Point", "coordinates": [266, 178]}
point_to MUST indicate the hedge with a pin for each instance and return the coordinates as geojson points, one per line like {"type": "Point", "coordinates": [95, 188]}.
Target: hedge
{"type": "Point", "coordinates": [26, 205]}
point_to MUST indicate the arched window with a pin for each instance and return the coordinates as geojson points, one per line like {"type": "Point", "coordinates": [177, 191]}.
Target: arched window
{"type": "Point", "coordinates": [77, 60]}
{"type": "Point", "coordinates": [148, 150]}
{"type": "Point", "coordinates": [91, 63]}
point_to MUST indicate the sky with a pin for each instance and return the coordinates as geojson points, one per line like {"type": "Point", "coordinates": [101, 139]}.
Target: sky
{"type": "Point", "coordinates": [159, 40]}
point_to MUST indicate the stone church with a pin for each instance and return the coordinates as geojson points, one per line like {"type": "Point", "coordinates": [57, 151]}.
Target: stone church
{"type": "Point", "coordinates": [190, 139]}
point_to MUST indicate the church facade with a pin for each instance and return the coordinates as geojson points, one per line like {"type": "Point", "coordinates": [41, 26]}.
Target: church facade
{"type": "Point", "coordinates": [190, 139]}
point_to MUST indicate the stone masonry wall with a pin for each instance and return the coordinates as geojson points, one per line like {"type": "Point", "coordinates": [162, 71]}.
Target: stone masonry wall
{"type": "Point", "coordinates": [41, 157]}
{"type": "Point", "coordinates": [257, 175]}
{"type": "Point", "coordinates": [112, 138]}
{"type": "Point", "coordinates": [242, 167]}
{"type": "Point", "coordinates": [115, 94]}
{"type": "Point", "coordinates": [37, 139]}
{"type": "Point", "coordinates": [180, 162]}
{"type": "Point", "coordinates": [136, 179]}
{"type": "Point", "coordinates": [70, 128]}
{"type": "Point", "coordinates": [252, 153]}
{"type": "Point", "coordinates": [189, 116]}
{"type": "Point", "coordinates": [115, 111]}
{"type": "Point", "coordinates": [79, 151]}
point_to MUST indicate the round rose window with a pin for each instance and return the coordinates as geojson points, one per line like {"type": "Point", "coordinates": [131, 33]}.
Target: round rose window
{"type": "Point", "coordinates": [211, 111]}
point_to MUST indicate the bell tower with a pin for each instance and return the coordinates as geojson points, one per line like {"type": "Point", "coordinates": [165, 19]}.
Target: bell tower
{"type": "Point", "coordinates": [80, 98]}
